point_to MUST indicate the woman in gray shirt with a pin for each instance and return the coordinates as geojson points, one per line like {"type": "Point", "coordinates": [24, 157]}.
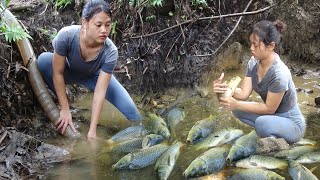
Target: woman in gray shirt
{"type": "Point", "coordinates": [85, 55]}
{"type": "Point", "coordinates": [279, 114]}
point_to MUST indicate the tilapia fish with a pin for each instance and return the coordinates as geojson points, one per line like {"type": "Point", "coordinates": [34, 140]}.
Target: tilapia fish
{"type": "Point", "coordinates": [260, 161]}
{"type": "Point", "coordinates": [299, 172]}
{"type": "Point", "coordinates": [243, 147]}
{"type": "Point", "coordinates": [310, 157]}
{"type": "Point", "coordinates": [219, 138]}
{"type": "Point", "coordinates": [209, 162]}
{"type": "Point", "coordinates": [174, 116]}
{"type": "Point", "coordinates": [167, 160]}
{"type": "Point", "coordinates": [157, 125]}
{"type": "Point", "coordinates": [260, 174]}
{"type": "Point", "coordinates": [201, 129]}
{"type": "Point", "coordinates": [136, 143]}
{"type": "Point", "coordinates": [231, 87]}
{"type": "Point", "coordinates": [141, 158]}
{"type": "Point", "coordinates": [129, 133]}
{"type": "Point", "coordinates": [294, 152]}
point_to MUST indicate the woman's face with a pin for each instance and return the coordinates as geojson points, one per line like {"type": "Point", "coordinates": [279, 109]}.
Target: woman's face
{"type": "Point", "coordinates": [98, 28]}
{"type": "Point", "coordinates": [258, 49]}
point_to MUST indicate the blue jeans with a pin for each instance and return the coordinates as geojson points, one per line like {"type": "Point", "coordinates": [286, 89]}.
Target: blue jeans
{"type": "Point", "coordinates": [116, 93]}
{"type": "Point", "coordinates": [288, 125]}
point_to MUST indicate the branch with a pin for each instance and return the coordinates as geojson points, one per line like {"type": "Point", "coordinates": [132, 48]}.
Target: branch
{"type": "Point", "coordinates": [234, 28]}
{"type": "Point", "coordinates": [206, 18]}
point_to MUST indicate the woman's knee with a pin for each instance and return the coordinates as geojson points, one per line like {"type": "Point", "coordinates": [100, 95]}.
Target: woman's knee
{"type": "Point", "coordinates": [44, 61]}
{"type": "Point", "coordinates": [263, 127]}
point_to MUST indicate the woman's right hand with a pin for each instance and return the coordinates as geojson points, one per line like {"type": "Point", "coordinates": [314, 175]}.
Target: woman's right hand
{"type": "Point", "coordinates": [64, 120]}
{"type": "Point", "coordinates": [218, 85]}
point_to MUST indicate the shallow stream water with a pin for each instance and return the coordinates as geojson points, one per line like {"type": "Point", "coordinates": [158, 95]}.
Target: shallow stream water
{"type": "Point", "coordinates": [88, 163]}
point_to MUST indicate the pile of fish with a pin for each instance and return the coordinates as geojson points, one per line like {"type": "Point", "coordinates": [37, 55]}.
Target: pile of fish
{"type": "Point", "coordinates": [149, 144]}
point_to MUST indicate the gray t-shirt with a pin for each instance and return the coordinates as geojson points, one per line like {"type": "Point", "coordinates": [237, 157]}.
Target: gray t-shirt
{"type": "Point", "coordinates": [277, 79]}
{"type": "Point", "coordinates": [67, 43]}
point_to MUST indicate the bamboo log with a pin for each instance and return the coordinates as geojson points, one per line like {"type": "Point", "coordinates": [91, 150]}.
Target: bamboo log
{"type": "Point", "coordinates": [35, 78]}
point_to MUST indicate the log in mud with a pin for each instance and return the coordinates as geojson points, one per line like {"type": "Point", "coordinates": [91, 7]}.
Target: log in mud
{"type": "Point", "coordinates": [40, 90]}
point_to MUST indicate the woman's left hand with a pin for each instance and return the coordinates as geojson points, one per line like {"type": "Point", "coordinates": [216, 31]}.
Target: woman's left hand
{"type": "Point", "coordinates": [229, 103]}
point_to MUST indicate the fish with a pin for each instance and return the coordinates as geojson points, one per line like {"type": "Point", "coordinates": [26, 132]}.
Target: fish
{"type": "Point", "coordinates": [220, 137]}
{"type": "Point", "coordinates": [310, 157]}
{"type": "Point", "coordinates": [261, 161]}
{"type": "Point", "coordinates": [255, 174]}
{"type": "Point", "coordinates": [243, 147]}
{"type": "Point", "coordinates": [201, 129]}
{"type": "Point", "coordinates": [156, 125]}
{"type": "Point", "coordinates": [294, 152]}
{"type": "Point", "coordinates": [128, 133]}
{"type": "Point", "coordinates": [165, 163]}
{"type": "Point", "coordinates": [304, 141]}
{"type": "Point", "coordinates": [174, 116]}
{"type": "Point", "coordinates": [140, 158]}
{"type": "Point", "coordinates": [136, 143]}
{"type": "Point", "coordinates": [231, 87]}
{"type": "Point", "coordinates": [299, 172]}
{"type": "Point", "coordinates": [211, 161]}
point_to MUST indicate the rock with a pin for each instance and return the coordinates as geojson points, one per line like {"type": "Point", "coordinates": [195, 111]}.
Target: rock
{"type": "Point", "coordinates": [231, 58]}
{"type": "Point", "coordinates": [317, 101]}
{"type": "Point", "coordinates": [270, 145]}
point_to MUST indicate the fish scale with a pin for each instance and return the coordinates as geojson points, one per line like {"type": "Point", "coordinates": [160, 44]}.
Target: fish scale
{"type": "Point", "coordinates": [141, 158]}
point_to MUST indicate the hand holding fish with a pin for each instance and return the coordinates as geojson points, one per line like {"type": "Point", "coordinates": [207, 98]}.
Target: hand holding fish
{"type": "Point", "coordinates": [218, 86]}
{"type": "Point", "coordinates": [229, 103]}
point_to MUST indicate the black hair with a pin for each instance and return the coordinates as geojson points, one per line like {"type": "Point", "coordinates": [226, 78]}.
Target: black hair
{"type": "Point", "coordinates": [93, 7]}
{"type": "Point", "coordinates": [269, 32]}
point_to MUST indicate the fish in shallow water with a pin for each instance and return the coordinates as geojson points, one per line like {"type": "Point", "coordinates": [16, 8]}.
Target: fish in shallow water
{"type": "Point", "coordinates": [304, 141]}
{"type": "Point", "coordinates": [260, 161]}
{"type": "Point", "coordinates": [167, 160]}
{"type": "Point", "coordinates": [299, 172]}
{"type": "Point", "coordinates": [201, 129]}
{"type": "Point", "coordinates": [129, 133]}
{"type": "Point", "coordinates": [136, 143]}
{"type": "Point", "coordinates": [255, 174]}
{"type": "Point", "coordinates": [219, 137]}
{"type": "Point", "coordinates": [141, 158]}
{"type": "Point", "coordinates": [243, 147]}
{"type": "Point", "coordinates": [294, 152]}
{"type": "Point", "coordinates": [157, 125]}
{"type": "Point", "coordinates": [174, 116]}
{"type": "Point", "coordinates": [211, 161]}
{"type": "Point", "coordinates": [310, 157]}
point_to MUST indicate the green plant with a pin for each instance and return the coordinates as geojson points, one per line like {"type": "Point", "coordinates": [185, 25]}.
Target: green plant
{"type": "Point", "coordinates": [156, 2]}
{"type": "Point", "coordinates": [199, 3]}
{"type": "Point", "coordinates": [145, 3]}
{"type": "Point", "coordinates": [63, 3]}
{"type": "Point", "coordinates": [151, 18]}
{"type": "Point", "coordinates": [113, 30]}
{"type": "Point", "coordinates": [11, 32]}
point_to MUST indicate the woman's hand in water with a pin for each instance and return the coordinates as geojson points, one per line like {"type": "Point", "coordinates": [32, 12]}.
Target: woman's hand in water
{"type": "Point", "coordinates": [229, 103]}
{"type": "Point", "coordinates": [92, 135]}
{"type": "Point", "coordinates": [64, 121]}
{"type": "Point", "coordinates": [218, 85]}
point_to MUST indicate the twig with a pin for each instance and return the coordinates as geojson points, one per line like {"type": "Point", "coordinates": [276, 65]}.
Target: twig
{"type": "Point", "coordinates": [3, 136]}
{"type": "Point", "coordinates": [45, 9]}
{"type": "Point", "coordinates": [165, 60]}
{"type": "Point", "coordinates": [206, 18]}
{"type": "Point", "coordinates": [234, 28]}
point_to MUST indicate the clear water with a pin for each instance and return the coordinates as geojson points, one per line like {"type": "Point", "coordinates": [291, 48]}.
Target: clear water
{"type": "Point", "coordinates": [88, 163]}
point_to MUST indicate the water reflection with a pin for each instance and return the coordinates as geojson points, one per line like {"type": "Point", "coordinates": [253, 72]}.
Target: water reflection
{"type": "Point", "coordinates": [89, 163]}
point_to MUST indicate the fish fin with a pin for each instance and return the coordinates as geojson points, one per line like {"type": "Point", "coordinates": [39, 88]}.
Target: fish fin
{"type": "Point", "coordinates": [314, 168]}
{"type": "Point", "coordinates": [145, 142]}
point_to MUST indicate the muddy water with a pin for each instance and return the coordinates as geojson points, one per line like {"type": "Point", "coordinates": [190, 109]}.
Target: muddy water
{"type": "Point", "coordinates": [89, 163]}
